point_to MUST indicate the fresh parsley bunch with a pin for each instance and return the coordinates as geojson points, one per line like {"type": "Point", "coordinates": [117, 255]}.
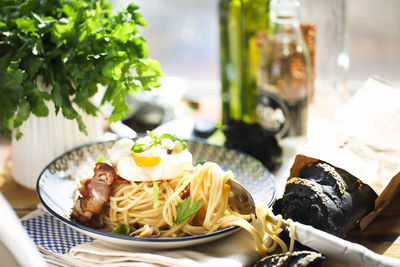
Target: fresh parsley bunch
{"type": "Point", "coordinates": [75, 45]}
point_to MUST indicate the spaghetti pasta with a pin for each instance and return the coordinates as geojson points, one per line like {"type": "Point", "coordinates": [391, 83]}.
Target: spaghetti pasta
{"type": "Point", "coordinates": [152, 189]}
{"type": "Point", "coordinates": [133, 204]}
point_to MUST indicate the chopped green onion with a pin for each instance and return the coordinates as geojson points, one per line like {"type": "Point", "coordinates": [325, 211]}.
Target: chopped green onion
{"type": "Point", "coordinates": [121, 229]}
{"type": "Point", "coordinates": [173, 138]}
{"type": "Point", "coordinates": [178, 147]}
{"type": "Point", "coordinates": [100, 158]}
{"type": "Point", "coordinates": [152, 135]}
{"type": "Point", "coordinates": [155, 195]}
{"type": "Point", "coordinates": [140, 147]}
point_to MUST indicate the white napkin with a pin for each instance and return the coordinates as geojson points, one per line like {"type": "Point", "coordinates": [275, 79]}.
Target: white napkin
{"type": "Point", "coordinates": [236, 250]}
{"type": "Point", "coordinates": [13, 240]}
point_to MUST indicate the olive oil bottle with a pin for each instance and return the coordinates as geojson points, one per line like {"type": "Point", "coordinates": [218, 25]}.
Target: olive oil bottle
{"type": "Point", "coordinates": [243, 29]}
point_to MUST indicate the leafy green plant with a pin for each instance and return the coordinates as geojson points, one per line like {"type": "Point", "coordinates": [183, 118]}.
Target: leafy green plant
{"type": "Point", "coordinates": [75, 45]}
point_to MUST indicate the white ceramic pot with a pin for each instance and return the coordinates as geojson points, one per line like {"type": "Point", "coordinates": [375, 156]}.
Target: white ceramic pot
{"type": "Point", "coordinates": [44, 139]}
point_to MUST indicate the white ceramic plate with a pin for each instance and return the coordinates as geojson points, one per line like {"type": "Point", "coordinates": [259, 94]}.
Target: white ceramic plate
{"type": "Point", "coordinates": [57, 182]}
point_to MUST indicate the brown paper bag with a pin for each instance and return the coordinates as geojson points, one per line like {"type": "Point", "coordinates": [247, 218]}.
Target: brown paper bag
{"type": "Point", "coordinates": [365, 143]}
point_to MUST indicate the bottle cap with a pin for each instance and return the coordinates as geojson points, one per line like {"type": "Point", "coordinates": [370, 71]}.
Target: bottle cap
{"type": "Point", "coordinates": [284, 10]}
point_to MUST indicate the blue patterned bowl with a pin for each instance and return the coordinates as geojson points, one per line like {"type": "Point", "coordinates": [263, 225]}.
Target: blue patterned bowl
{"type": "Point", "coordinates": [57, 183]}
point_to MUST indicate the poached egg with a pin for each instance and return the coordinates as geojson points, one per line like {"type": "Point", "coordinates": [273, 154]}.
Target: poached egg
{"type": "Point", "coordinates": [159, 162]}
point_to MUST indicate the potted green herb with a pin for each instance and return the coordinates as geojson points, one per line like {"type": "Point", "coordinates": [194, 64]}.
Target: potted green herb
{"type": "Point", "coordinates": [55, 56]}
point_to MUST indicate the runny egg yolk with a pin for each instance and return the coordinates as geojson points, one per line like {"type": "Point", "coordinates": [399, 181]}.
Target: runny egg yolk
{"type": "Point", "coordinates": [145, 161]}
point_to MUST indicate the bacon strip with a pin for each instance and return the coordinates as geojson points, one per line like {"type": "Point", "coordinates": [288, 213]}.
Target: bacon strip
{"type": "Point", "coordinates": [95, 193]}
{"type": "Point", "coordinates": [186, 192]}
{"type": "Point", "coordinates": [118, 180]}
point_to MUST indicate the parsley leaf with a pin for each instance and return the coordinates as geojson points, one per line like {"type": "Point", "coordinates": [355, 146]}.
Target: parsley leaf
{"type": "Point", "coordinates": [184, 210]}
{"type": "Point", "coordinates": [121, 229]}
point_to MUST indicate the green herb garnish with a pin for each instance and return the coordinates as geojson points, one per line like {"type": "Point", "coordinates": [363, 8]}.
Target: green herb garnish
{"type": "Point", "coordinates": [201, 162]}
{"type": "Point", "coordinates": [100, 158]}
{"type": "Point", "coordinates": [178, 147]}
{"type": "Point", "coordinates": [121, 229]}
{"type": "Point", "coordinates": [155, 195]}
{"type": "Point", "coordinates": [184, 210]}
{"type": "Point", "coordinates": [173, 138]}
{"type": "Point", "coordinates": [140, 147]}
{"type": "Point", "coordinates": [75, 46]}
{"type": "Point", "coordinates": [155, 139]}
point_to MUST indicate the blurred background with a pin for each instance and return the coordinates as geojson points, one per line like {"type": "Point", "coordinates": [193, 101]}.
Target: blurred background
{"type": "Point", "coordinates": [183, 35]}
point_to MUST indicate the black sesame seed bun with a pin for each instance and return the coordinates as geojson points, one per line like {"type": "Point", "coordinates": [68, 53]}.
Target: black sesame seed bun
{"type": "Point", "coordinates": [325, 197]}
{"type": "Point", "coordinates": [297, 258]}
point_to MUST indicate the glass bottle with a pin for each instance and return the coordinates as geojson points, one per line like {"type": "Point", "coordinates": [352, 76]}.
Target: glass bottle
{"type": "Point", "coordinates": [243, 26]}
{"type": "Point", "coordinates": [284, 77]}
{"type": "Point", "coordinates": [329, 19]}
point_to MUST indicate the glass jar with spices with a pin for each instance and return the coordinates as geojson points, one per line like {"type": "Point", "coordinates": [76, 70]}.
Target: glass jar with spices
{"type": "Point", "coordinates": [285, 76]}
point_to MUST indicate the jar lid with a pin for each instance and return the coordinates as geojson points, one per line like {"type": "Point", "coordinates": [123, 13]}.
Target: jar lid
{"type": "Point", "coordinates": [284, 10]}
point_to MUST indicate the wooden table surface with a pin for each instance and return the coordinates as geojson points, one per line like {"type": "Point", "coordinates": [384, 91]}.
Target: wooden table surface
{"type": "Point", "coordinates": [382, 236]}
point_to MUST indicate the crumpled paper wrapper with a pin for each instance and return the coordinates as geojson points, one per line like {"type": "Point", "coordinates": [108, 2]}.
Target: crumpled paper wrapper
{"type": "Point", "coordinates": [364, 140]}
